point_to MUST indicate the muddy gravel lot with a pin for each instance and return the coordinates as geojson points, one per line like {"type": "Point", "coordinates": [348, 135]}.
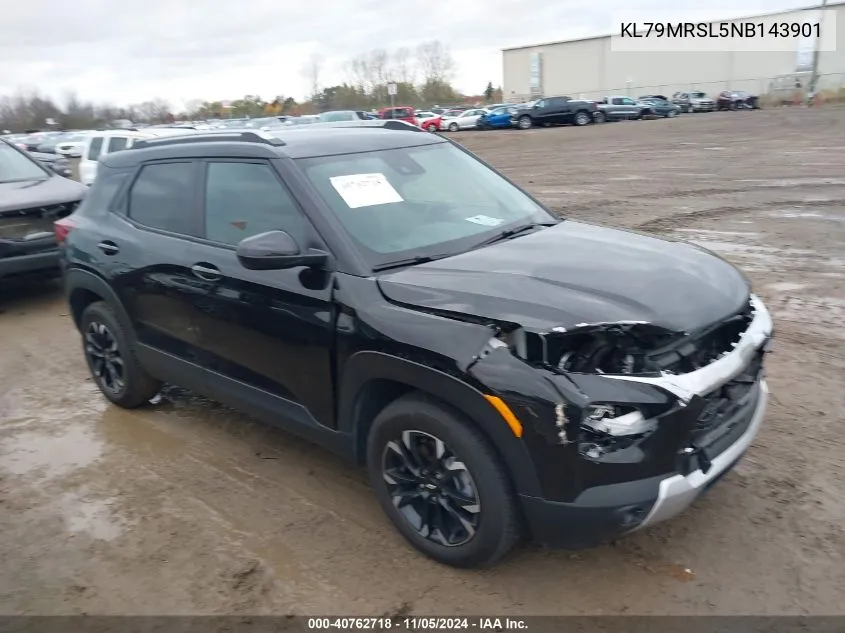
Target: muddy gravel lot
{"type": "Point", "coordinates": [188, 507]}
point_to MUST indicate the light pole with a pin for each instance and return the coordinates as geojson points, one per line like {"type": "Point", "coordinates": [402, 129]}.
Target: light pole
{"type": "Point", "coordinates": [814, 77]}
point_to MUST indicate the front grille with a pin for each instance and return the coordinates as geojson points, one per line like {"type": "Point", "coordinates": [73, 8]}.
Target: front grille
{"type": "Point", "coordinates": [697, 351]}
{"type": "Point", "coordinates": [728, 410]}
{"type": "Point", "coordinates": [22, 224]}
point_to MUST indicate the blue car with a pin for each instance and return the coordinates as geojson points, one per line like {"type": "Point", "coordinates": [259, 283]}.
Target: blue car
{"type": "Point", "coordinates": [496, 119]}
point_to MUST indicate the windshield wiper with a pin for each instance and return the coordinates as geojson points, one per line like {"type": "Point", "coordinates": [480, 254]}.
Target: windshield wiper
{"type": "Point", "coordinates": [509, 233]}
{"type": "Point", "coordinates": [410, 261]}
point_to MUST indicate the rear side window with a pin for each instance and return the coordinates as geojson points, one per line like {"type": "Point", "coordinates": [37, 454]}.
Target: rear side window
{"type": "Point", "coordinates": [95, 148]}
{"type": "Point", "coordinates": [162, 197]}
{"type": "Point", "coordinates": [102, 193]}
{"type": "Point", "coordinates": [117, 143]}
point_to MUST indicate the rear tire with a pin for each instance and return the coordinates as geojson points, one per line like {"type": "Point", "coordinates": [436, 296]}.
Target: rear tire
{"type": "Point", "coordinates": [582, 118]}
{"type": "Point", "coordinates": [111, 359]}
{"type": "Point", "coordinates": [475, 531]}
{"type": "Point", "coordinates": [599, 117]}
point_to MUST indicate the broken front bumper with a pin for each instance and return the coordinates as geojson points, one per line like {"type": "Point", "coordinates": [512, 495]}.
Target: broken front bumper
{"type": "Point", "coordinates": [676, 493]}
{"type": "Point", "coordinates": [603, 512]}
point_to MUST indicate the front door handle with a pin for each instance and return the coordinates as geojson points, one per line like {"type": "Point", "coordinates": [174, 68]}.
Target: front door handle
{"type": "Point", "coordinates": [108, 247]}
{"type": "Point", "coordinates": [206, 272]}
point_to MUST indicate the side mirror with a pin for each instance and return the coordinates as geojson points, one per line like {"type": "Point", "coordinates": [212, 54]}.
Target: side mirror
{"type": "Point", "coordinates": [276, 250]}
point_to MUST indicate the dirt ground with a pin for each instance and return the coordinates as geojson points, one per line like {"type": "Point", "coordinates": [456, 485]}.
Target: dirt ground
{"type": "Point", "coordinates": [186, 507]}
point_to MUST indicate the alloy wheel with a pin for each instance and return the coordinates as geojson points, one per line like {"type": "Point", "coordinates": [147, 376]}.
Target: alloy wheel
{"type": "Point", "coordinates": [582, 118]}
{"type": "Point", "coordinates": [431, 488]}
{"type": "Point", "coordinates": [453, 127]}
{"type": "Point", "coordinates": [104, 357]}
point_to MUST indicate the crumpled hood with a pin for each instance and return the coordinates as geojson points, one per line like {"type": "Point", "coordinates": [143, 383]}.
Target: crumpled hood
{"type": "Point", "coordinates": [576, 273]}
{"type": "Point", "coordinates": [36, 193]}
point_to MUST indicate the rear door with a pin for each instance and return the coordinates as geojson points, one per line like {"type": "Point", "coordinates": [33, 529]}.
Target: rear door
{"type": "Point", "coordinates": [149, 254]}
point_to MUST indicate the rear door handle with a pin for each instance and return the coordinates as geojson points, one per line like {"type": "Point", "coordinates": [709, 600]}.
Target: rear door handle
{"type": "Point", "coordinates": [108, 247]}
{"type": "Point", "coordinates": [206, 272]}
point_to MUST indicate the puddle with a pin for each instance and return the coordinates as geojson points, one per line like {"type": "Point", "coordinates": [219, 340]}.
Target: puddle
{"type": "Point", "coordinates": [93, 517]}
{"type": "Point", "coordinates": [751, 234]}
{"type": "Point", "coordinates": [785, 286]}
{"type": "Point", "coordinates": [793, 182]}
{"type": "Point", "coordinates": [807, 214]}
{"type": "Point", "coordinates": [49, 455]}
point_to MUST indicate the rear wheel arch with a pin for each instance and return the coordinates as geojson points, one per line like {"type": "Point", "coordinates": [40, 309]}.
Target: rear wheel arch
{"type": "Point", "coordinates": [84, 288]}
{"type": "Point", "coordinates": [372, 380]}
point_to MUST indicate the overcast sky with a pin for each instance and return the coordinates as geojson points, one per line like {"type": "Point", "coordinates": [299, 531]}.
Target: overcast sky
{"type": "Point", "coordinates": [125, 52]}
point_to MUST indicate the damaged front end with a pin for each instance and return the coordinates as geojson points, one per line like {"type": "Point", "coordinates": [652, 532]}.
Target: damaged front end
{"type": "Point", "coordinates": [630, 400]}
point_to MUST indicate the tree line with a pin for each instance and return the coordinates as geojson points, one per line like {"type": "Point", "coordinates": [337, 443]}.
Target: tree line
{"type": "Point", "coordinates": [423, 77]}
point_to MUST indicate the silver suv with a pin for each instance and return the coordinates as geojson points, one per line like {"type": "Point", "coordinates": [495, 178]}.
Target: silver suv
{"type": "Point", "coordinates": [693, 102]}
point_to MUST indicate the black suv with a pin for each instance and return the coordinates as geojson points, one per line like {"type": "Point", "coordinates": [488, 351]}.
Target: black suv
{"type": "Point", "coordinates": [384, 293]}
{"type": "Point", "coordinates": [32, 197]}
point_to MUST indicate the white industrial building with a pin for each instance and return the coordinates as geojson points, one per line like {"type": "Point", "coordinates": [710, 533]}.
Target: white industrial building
{"type": "Point", "coordinates": [594, 67]}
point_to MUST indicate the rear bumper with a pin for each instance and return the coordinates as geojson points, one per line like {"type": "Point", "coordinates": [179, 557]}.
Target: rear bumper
{"type": "Point", "coordinates": [43, 262]}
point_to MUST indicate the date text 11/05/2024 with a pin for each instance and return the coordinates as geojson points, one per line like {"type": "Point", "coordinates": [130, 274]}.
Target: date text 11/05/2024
{"type": "Point", "coordinates": [720, 29]}
{"type": "Point", "coordinates": [416, 623]}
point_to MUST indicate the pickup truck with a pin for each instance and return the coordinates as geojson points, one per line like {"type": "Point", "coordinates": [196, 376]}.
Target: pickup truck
{"type": "Point", "coordinates": [617, 108]}
{"type": "Point", "coordinates": [556, 111]}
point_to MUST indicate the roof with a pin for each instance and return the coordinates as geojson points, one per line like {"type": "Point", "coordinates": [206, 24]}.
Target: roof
{"type": "Point", "coordinates": [297, 142]}
{"type": "Point", "coordinates": [830, 5]}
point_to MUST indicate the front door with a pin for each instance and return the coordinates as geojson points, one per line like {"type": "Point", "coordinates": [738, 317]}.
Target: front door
{"type": "Point", "coordinates": [266, 336]}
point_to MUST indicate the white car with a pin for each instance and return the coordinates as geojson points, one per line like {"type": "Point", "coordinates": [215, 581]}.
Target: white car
{"type": "Point", "coordinates": [466, 120]}
{"type": "Point", "coordinates": [109, 141]}
{"type": "Point", "coordinates": [423, 116]}
{"type": "Point", "coordinates": [72, 144]}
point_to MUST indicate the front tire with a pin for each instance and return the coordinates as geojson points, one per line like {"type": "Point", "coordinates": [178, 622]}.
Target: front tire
{"type": "Point", "coordinates": [432, 128]}
{"type": "Point", "coordinates": [524, 122]}
{"type": "Point", "coordinates": [453, 127]}
{"type": "Point", "coordinates": [111, 359]}
{"type": "Point", "coordinates": [441, 483]}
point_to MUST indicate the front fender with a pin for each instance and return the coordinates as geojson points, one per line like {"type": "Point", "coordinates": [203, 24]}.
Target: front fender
{"type": "Point", "coordinates": [366, 366]}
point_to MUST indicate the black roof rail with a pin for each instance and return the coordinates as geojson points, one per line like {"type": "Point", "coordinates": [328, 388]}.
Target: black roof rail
{"type": "Point", "coordinates": [209, 137]}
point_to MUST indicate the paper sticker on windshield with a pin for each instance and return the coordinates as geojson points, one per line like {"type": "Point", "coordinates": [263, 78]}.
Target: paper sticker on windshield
{"type": "Point", "coordinates": [365, 190]}
{"type": "Point", "coordinates": [485, 220]}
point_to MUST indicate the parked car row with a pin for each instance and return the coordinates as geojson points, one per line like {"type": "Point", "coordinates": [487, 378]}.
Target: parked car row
{"type": "Point", "coordinates": [562, 110]}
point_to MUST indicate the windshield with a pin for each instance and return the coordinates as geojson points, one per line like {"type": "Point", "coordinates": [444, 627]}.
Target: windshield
{"type": "Point", "coordinates": [418, 201]}
{"type": "Point", "coordinates": [15, 166]}
{"type": "Point", "coordinates": [697, 95]}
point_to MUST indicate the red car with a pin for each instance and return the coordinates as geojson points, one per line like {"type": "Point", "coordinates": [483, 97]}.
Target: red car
{"type": "Point", "coordinates": [403, 113]}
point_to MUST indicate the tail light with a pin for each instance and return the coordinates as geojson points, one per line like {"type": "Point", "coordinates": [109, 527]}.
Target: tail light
{"type": "Point", "coordinates": [62, 229]}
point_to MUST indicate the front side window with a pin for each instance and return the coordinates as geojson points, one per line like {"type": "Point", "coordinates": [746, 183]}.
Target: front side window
{"type": "Point", "coordinates": [427, 200]}
{"type": "Point", "coordinates": [245, 199]}
{"type": "Point", "coordinates": [162, 197]}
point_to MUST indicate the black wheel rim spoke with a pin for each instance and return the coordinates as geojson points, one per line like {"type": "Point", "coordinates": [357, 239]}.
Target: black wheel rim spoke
{"type": "Point", "coordinates": [104, 357]}
{"type": "Point", "coordinates": [431, 488]}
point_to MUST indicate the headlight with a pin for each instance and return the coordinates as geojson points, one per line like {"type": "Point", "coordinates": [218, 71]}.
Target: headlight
{"type": "Point", "coordinates": [616, 420]}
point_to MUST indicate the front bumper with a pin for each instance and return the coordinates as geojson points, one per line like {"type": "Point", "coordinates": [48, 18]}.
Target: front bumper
{"type": "Point", "coordinates": [604, 512]}
{"type": "Point", "coordinates": [35, 263]}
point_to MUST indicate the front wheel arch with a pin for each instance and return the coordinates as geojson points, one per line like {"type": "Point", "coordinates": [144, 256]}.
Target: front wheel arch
{"type": "Point", "coordinates": [372, 380]}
